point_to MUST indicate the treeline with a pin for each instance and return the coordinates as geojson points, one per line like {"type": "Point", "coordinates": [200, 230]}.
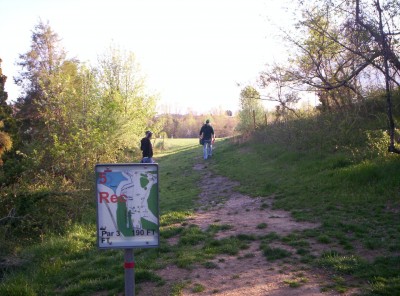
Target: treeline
{"type": "Point", "coordinates": [188, 125]}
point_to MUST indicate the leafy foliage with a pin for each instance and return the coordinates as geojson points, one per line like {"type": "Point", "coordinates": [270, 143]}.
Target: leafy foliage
{"type": "Point", "coordinates": [251, 111]}
{"type": "Point", "coordinates": [70, 116]}
{"type": "Point", "coordinates": [5, 116]}
{"type": "Point", "coordinates": [73, 116]}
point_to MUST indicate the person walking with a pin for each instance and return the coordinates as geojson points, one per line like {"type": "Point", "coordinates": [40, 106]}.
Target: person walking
{"type": "Point", "coordinates": [208, 137]}
{"type": "Point", "coordinates": [147, 148]}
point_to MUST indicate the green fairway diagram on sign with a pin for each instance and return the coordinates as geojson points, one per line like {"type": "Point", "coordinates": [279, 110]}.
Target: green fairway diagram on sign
{"type": "Point", "coordinates": [127, 205]}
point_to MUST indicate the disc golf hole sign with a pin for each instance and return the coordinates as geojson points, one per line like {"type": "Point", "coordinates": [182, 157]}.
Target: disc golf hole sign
{"type": "Point", "coordinates": [127, 205]}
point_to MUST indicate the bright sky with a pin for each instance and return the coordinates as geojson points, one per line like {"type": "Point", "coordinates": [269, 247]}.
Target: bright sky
{"type": "Point", "coordinates": [193, 52]}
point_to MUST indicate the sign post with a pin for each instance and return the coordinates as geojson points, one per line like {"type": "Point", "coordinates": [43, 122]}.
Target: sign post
{"type": "Point", "coordinates": [127, 211]}
{"type": "Point", "coordinates": [129, 272]}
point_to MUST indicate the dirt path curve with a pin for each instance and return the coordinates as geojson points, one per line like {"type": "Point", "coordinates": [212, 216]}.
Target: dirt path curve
{"type": "Point", "coordinates": [248, 273]}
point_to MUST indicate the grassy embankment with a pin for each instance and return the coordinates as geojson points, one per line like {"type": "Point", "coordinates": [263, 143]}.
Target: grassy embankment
{"type": "Point", "coordinates": [355, 200]}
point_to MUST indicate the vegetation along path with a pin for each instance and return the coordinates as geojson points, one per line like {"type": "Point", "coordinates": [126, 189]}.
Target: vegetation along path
{"type": "Point", "coordinates": [269, 260]}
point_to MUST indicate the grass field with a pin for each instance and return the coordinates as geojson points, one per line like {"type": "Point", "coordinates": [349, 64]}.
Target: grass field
{"type": "Point", "coordinates": [357, 204]}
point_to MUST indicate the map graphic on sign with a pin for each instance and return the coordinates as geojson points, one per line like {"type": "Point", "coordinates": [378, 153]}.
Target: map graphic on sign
{"type": "Point", "coordinates": [127, 205]}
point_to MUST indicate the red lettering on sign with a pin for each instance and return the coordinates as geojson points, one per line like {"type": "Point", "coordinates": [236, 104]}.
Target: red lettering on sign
{"type": "Point", "coordinates": [103, 178]}
{"type": "Point", "coordinates": [114, 198]}
{"type": "Point", "coordinates": [104, 197]}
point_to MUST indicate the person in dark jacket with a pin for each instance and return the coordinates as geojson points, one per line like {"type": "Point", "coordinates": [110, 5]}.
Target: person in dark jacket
{"type": "Point", "coordinates": [208, 137]}
{"type": "Point", "coordinates": [147, 148]}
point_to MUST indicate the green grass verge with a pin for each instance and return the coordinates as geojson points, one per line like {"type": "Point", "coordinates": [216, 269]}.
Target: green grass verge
{"type": "Point", "coordinates": [357, 202]}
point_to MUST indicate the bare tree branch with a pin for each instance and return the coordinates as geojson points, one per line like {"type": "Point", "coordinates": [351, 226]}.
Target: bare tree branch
{"type": "Point", "coordinates": [11, 215]}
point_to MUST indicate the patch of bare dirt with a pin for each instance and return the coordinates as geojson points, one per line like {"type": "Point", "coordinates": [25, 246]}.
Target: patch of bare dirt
{"type": "Point", "coordinates": [248, 273]}
{"type": "Point", "coordinates": [222, 205]}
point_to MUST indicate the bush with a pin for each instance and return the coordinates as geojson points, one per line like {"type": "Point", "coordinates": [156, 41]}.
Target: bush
{"type": "Point", "coordinates": [30, 215]}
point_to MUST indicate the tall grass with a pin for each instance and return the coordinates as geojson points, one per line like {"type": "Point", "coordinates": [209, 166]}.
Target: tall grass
{"type": "Point", "coordinates": [358, 129]}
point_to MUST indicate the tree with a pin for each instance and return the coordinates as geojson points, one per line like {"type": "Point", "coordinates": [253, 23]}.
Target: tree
{"type": "Point", "coordinates": [5, 111]}
{"type": "Point", "coordinates": [127, 108]}
{"type": "Point", "coordinates": [346, 40]}
{"type": "Point", "coordinates": [48, 110]}
{"type": "Point", "coordinates": [5, 114]}
{"type": "Point", "coordinates": [252, 111]}
{"type": "Point", "coordinates": [73, 116]}
{"type": "Point", "coordinates": [383, 28]}
{"type": "Point", "coordinates": [38, 66]}
{"type": "Point", "coordinates": [280, 90]}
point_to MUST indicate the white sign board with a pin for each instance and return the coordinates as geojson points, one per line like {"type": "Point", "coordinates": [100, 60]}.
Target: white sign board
{"type": "Point", "coordinates": [127, 205]}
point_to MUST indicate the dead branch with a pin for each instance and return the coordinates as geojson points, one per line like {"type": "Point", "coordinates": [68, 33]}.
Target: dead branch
{"type": "Point", "coordinates": [11, 215]}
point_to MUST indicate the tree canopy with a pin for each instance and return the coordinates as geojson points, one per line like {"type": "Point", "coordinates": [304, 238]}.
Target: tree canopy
{"type": "Point", "coordinates": [345, 49]}
{"type": "Point", "coordinates": [5, 114]}
{"type": "Point", "coordinates": [71, 115]}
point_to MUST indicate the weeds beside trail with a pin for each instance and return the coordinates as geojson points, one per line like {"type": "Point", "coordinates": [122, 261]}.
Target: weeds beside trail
{"type": "Point", "coordinates": [357, 203]}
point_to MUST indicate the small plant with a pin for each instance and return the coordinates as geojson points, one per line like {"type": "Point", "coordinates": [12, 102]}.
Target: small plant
{"type": "Point", "coordinates": [249, 255]}
{"type": "Point", "coordinates": [340, 263]}
{"type": "Point", "coordinates": [295, 240]}
{"type": "Point", "coordinates": [339, 285]}
{"type": "Point", "coordinates": [246, 237]}
{"type": "Point", "coordinates": [303, 279]}
{"type": "Point", "coordinates": [192, 236]}
{"type": "Point", "coordinates": [168, 232]}
{"type": "Point", "coordinates": [214, 228]}
{"type": "Point", "coordinates": [262, 226]}
{"type": "Point", "coordinates": [323, 239]}
{"type": "Point", "coordinates": [297, 282]}
{"type": "Point", "coordinates": [307, 259]}
{"type": "Point", "coordinates": [197, 288]}
{"type": "Point", "coordinates": [177, 288]}
{"type": "Point", "coordinates": [302, 251]}
{"type": "Point", "coordinates": [270, 237]}
{"type": "Point", "coordinates": [210, 265]}
{"type": "Point", "coordinates": [292, 283]}
{"type": "Point", "coordinates": [147, 276]}
{"type": "Point", "coordinates": [174, 217]}
{"type": "Point", "coordinates": [273, 254]}
{"type": "Point", "coordinates": [373, 244]}
{"type": "Point", "coordinates": [230, 246]}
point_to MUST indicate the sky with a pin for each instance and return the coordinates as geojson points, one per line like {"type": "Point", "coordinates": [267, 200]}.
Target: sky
{"type": "Point", "coordinates": [196, 54]}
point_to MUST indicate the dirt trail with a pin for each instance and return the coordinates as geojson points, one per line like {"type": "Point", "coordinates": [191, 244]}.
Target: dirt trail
{"type": "Point", "coordinates": [249, 272]}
